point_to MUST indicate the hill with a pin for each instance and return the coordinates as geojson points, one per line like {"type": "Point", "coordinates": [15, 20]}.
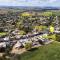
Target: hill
{"type": "Point", "coordinates": [49, 52]}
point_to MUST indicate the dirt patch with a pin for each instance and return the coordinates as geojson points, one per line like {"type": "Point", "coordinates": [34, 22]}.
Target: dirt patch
{"type": "Point", "coordinates": [18, 51]}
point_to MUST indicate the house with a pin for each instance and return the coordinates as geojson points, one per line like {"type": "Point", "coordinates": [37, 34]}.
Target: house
{"type": "Point", "coordinates": [6, 38]}
{"type": "Point", "coordinates": [2, 46]}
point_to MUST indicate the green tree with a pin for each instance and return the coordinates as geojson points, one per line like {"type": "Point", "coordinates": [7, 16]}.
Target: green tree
{"type": "Point", "coordinates": [28, 46]}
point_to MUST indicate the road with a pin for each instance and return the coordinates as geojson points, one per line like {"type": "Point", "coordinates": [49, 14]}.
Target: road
{"type": "Point", "coordinates": [26, 37]}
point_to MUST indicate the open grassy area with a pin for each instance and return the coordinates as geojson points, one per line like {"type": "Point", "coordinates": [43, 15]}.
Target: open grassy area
{"type": "Point", "coordinates": [2, 33]}
{"type": "Point", "coordinates": [47, 52]}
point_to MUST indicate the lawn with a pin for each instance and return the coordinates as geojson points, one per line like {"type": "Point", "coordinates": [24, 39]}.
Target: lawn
{"type": "Point", "coordinates": [2, 33]}
{"type": "Point", "coordinates": [47, 52]}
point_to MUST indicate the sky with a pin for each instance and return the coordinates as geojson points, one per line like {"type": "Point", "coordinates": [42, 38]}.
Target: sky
{"type": "Point", "coordinates": [54, 3]}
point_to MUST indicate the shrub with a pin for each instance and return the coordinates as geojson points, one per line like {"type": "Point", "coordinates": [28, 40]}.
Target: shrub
{"type": "Point", "coordinates": [53, 36]}
{"type": "Point", "coordinates": [58, 38]}
{"type": "Point", "coordinates": [28, 46]}
{"type": "Point", "coordinates": [22, 32]}
{"type": "Point", "coordinates": [40, 28]}
{"type": "Point", "coordinates": [51, 29]}
{"type": "Point", "coordinates": [47, 14]}
{"type": "Point", "coordinates": [26, 14]}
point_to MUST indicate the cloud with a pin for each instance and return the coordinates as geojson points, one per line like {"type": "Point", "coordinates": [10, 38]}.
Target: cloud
{"type": "Point", "coordinates": [51, 1]}
{"type": "Point", "coordinates": [29, 2]}
{"type": "Point", "coordinates": [5, 1]}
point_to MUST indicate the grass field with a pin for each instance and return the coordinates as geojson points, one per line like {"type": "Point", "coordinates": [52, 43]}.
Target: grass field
{"type": "Point", "coordinates": [2, 33]}
{"type": "Point", "coordinates": [47, 52]}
